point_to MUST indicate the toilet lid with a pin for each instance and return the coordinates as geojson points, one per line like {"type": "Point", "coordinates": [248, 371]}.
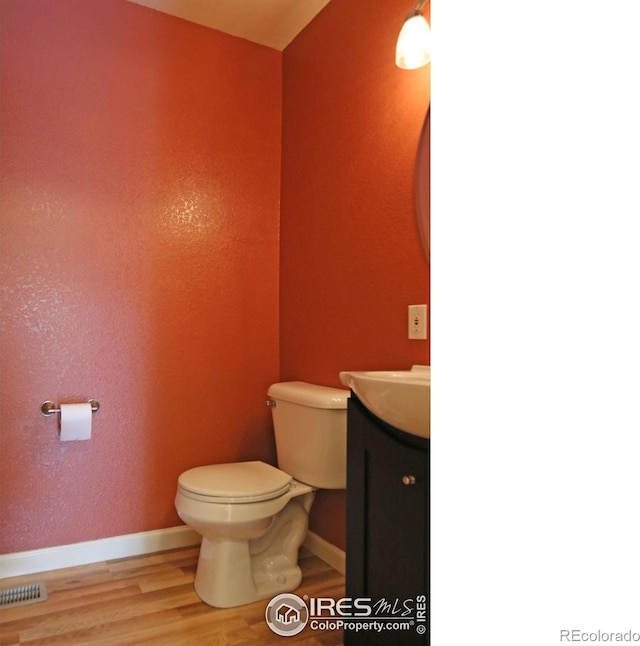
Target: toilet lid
{"type": "Point", "coordinates": [236, 482]}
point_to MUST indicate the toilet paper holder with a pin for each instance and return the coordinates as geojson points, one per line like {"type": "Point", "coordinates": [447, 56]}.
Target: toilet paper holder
{"type": "Point", "coordinates": [49, 408]}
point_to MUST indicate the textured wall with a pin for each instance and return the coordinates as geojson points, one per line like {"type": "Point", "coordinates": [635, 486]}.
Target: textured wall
{"type": "Point", "coordinates": [140, 204]}
{"type": "Point", "coordinates": [350, 256]}
{"type": "Point", "coordinates": [140, 196]}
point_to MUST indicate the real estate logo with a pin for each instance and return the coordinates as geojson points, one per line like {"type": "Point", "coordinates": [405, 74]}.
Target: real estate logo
{"type": "Point", "coordinates": [287, 614]}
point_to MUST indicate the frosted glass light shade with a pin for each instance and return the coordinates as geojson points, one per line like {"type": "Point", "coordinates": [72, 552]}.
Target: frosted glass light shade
{"type": "Point", "coordinates": [414, 43]}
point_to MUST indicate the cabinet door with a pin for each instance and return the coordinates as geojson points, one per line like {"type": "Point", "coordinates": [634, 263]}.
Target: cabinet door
{"type": "Point", "coordinates": [396, 530]}
{"type": "Point", "coordinates": [387, 519]}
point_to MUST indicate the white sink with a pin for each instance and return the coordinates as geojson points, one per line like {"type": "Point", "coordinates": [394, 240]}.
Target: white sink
{"type": "Point", "coordinates": [399, 397]}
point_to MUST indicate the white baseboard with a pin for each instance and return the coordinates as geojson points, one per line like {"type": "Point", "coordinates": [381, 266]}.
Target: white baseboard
{"type": "Point", "coordinates": [326, 551]}
{"type": "Point", "coordinates": [117, 547]}
{"type": "Point", "coordinates": [103, 549]}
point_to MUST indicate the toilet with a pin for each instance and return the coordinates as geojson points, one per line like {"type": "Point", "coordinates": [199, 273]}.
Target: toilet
{"type": "Point", "coordinates": [252, 516]}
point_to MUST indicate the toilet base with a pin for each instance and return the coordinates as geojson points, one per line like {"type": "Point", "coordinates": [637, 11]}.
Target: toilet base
{"type": "Point", "coordinates": [234, 572]}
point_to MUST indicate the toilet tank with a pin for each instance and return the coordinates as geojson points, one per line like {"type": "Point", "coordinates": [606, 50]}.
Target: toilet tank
{"type": "Point", "coordinates": [310, 426]}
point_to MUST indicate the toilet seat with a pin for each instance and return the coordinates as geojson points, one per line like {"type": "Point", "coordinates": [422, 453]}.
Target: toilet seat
{"type": "Point", "coordinates": [235, 483]}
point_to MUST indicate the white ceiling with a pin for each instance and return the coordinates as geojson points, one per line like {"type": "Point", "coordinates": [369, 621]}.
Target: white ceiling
{"type": "Point", "coordinates": [274, 23]}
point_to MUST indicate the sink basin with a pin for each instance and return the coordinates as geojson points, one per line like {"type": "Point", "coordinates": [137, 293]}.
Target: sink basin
{"type": "Point", "coordinates": [399, 397]}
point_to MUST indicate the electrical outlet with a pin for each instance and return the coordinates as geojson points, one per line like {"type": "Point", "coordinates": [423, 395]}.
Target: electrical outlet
{"type": "Point", "coordinates": [417, 321]}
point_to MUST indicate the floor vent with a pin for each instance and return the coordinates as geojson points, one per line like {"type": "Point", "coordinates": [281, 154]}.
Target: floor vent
{"type": "Point", "coordinates": [21, 595]}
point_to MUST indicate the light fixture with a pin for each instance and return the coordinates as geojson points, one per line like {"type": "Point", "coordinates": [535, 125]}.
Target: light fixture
{"type": "Point", "coordinates": [414, 41]}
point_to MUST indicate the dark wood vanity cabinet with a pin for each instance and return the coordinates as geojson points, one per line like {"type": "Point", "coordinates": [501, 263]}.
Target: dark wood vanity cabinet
{"type": "Point", "coordinates": [387, 555]}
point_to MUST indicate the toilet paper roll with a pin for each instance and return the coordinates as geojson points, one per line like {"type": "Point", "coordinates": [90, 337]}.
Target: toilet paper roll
{"type": "Point", "coordinates": [75, 422]}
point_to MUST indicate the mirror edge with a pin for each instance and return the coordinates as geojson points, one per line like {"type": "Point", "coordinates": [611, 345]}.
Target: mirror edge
{"type": "Point", "coordinates": [423, 186]}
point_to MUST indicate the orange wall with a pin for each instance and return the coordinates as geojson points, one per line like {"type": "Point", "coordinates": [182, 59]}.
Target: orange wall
{"type": "Point", "coordinates": [141, 190]}
{"type": "Point", "coordinates": [350, 254]}
{"type": "Point", "coordinates": [140, 213]}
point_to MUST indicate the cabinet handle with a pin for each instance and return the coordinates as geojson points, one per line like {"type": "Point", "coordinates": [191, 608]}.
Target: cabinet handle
{"type": "Point", "coordinates": [408, 480]}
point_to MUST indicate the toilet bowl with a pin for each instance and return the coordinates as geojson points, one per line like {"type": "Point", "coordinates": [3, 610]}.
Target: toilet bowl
{"type": "Point", "coordinates": [252, 516]}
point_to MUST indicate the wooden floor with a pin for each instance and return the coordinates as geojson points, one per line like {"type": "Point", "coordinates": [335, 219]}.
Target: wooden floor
{"type": "Point", "coordinates": [150, 600]}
